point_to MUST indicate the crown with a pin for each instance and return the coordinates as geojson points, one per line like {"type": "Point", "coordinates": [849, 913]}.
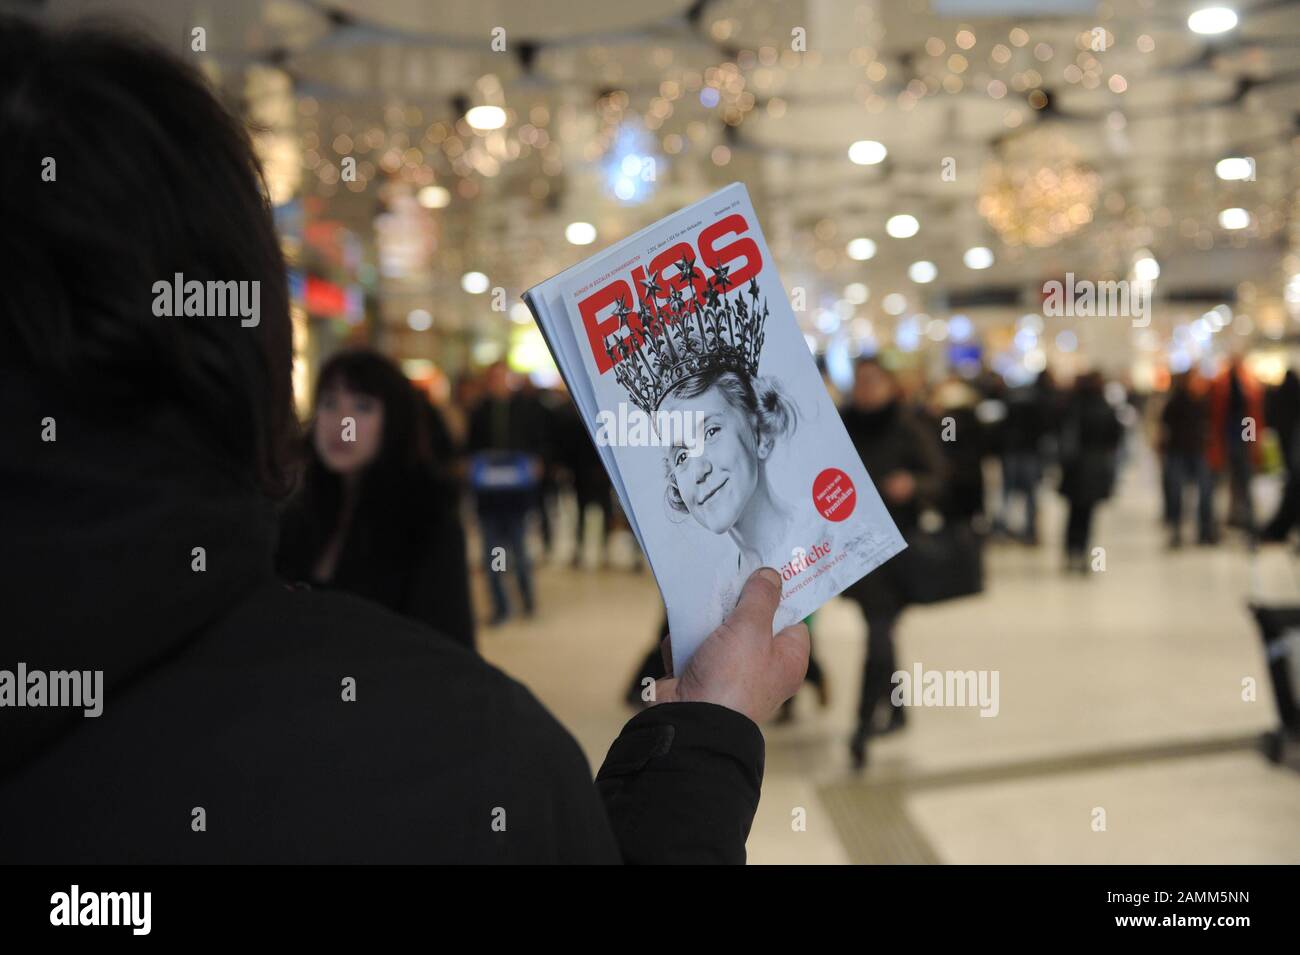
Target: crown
{"type": "Point", "coordinates": [667, 344]}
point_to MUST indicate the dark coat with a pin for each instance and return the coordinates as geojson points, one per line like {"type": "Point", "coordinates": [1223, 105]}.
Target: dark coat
{"type": "Point", "coordinates": [890, 439]}
{"type": "Point", "coordinates": [963, 496]}
{"type": "Point", "coordinates": [1090, 435]}
{"type": "Point", "coordinates": [516, 425]}
{"type": "Point", "coordinates": [1184, 423]}
{"type": "Point", "coordinates": [224, 691]}
{"type": "Point", "coordinates": [895, 439]}
{"type": "Point", "coordinates": [406, 554]}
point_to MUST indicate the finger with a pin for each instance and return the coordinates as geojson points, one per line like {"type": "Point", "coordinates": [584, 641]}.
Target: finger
{"type": "Point", "coordinates": [793, 649]}
{"type": "Point", "coordinates": [757, 604]}
{"type": "Point", "coordinates": [665, 690]}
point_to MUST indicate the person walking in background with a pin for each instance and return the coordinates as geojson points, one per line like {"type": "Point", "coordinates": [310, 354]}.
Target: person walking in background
{"type": "Point", "coordinates": [591, 484]}
{"type": "Point", "coordinates": [1236, 421]}
{"type": "Point", "coordinates": [1020, 443]}
{"type": "Point", "coordinates": [904, 460]}
{"type": "Point", "coordinates": [964, 443]}
{"type": "Point", "coordinates": [1284, 419]}
{"type": "Point", "coordinates": [372, 517]}
{"type": "Point", "coordinates": [539, 407]}
{"type": "Point", "coordinates": [505, 469]}
{"type": "Point", "coordinates": [1183, 427]}
{"type": "Point", "coordinates": [466, 393]}
{"type": "Point", "coordinates": [1090, 437]}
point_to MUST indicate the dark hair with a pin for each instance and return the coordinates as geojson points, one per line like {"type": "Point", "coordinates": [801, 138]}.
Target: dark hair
{"type": "Point", "coordinates": [1089, 382]}
{"type": "Point", "coordinates": [394, 485]}
{"type": "Point", "coordinates": [770, 411]}
{"type": "Point", "coordinates": [405, 445]}
{"type": "Point", "coordinates": [150, 177]}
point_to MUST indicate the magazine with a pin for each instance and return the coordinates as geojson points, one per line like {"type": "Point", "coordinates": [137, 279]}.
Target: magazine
{"type": "Point", "coordinates": [683, 355]}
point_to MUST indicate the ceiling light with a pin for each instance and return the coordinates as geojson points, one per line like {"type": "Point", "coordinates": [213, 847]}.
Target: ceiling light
{"type": "Point", "coordinates": [1235, 218]}
{"type": "Point", "coordinates": [922, 272]}
{"type": "Point", "coordinates": [867, 152]}
{"type": "Point", "coordinates": [1235, 168]}
{"type": "Point", "coordinates": [434, 197]}
{"type": "Point", "coordinates": [1146, 269]}
{"type": "Point", "coordinates": [894, 303]}
{"type": "Point", "coordinates": [978, 257]}
{"type": "Point", "coordinates": [861, 249]}
{"type": "Point", "coordinates": [476, 283]}
{"type": "Point", "coordinates": [419, 320]}
{"type": "Point", "coordinates": [1211, 20]}
{"type": "Point", "coordinates": [902, 226]}
{"type": "Point", "coordinates": [580, 233]}
{"type": "Point", "coordinates": [486, 118]}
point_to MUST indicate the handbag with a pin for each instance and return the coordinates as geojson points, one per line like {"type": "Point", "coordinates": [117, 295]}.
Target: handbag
{"type": "Point", "coordinates": [940, 565]}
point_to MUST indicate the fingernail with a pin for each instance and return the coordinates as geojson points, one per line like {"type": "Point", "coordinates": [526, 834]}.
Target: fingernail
{"type": "Point", "coordinates": [771, 576]}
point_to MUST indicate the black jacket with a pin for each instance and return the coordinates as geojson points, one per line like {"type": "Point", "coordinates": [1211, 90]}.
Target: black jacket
{"type": "Point", "coordinates": [1184, 420]}
{"type": "Point", "coordinates": [515, 425]}
{"type": "Point", "coordinates": [1090, 437]}
{"type": "Point", "coordinates": [405, 551]}
{"type": "Point", "coordinates": [891, 439]}
{"type": "Point", "coordinates": [224, 692]}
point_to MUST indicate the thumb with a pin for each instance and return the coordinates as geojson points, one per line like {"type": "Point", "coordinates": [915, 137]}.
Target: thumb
{"type": "Point", "coordinates": [757, 605]}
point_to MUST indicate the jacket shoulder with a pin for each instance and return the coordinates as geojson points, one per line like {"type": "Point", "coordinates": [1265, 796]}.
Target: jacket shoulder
{"type": "Point", "coordinates": [315, 728]}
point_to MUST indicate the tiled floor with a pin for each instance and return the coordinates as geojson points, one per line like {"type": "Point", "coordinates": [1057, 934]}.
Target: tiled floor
{"type": "Point", "coordinates": [1119, 694]}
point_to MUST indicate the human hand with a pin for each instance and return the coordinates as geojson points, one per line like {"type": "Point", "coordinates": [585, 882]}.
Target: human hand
{"type": "Point", "coordinates": [898, 487]}
{"type": "Point", "coordinates": [741, 665]}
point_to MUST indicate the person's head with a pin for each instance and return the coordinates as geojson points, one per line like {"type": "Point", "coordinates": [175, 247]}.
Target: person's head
{"type": "Point", "coordinates": [364, 416]}
{"type": "Point", "coordinates": [741, 419]}
{"type": "Point", "coordinates": [119, 171]}
{"type": "Point", "coordinates": [1089, 383]}
{"type": "Point", "coordinates": [497, 380]}
{"type": "Point", "coordinates": [874, 386]}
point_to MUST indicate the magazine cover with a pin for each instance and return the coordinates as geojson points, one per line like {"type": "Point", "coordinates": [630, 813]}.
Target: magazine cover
{"type": "Point", "coordinates": [696, 382]}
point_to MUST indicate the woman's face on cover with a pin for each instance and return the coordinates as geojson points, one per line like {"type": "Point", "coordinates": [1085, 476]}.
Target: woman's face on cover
{"type": "Point", "coordinates": [348, 447]}
{"type": "Point", "coordinates": [717, 483]}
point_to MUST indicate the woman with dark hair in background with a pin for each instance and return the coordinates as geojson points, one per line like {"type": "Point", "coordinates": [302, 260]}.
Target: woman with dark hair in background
{"type": "Point", "coordinates": [371, 517]}
{"type": "Point", "coordinates": [1090, 436]}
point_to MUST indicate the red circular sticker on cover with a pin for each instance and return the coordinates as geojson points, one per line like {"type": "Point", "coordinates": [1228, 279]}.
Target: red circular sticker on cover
{"type": "Point", "coordinates": [834, 494]}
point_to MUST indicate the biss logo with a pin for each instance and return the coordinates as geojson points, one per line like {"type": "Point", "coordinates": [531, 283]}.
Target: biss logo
{"type": "Point", "coordinates": [665, 276]}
